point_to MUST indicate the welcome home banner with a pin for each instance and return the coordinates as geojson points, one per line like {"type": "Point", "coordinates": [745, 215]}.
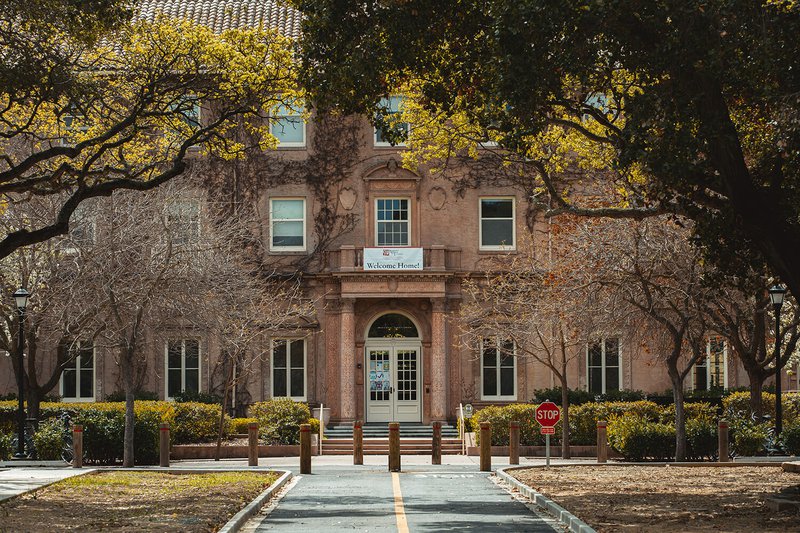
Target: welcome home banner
{"type": "Point", "coordinates": [392, 258]}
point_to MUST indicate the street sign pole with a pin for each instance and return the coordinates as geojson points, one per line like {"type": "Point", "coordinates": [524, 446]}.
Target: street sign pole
{"type": "Point", "coordinates": [548, 415]}
{"type": "Point", "coordinates": [547, 448]}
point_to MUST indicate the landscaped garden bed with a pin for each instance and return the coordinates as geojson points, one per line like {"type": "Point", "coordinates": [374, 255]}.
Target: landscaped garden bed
{"type": "Point", "coordinates": [668, 498]}
{"type": "Point", "coordinates": [136, 501]}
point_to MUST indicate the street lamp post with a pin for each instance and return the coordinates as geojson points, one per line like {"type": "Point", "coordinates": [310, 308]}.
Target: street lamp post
{"type": "Point", "coordinates": [21, 299]}
{"type": "Point", "coordinates": [776, 295]}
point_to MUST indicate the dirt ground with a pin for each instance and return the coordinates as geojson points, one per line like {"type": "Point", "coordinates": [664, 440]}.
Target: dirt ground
{"type": "Point", "coordinates": [668, 499]}
{"type": "Point", "coordinates": [135, 501]}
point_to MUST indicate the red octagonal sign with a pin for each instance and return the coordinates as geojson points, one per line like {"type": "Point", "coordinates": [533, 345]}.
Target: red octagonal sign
{"type": "Point", "coordinates": [548, 414]}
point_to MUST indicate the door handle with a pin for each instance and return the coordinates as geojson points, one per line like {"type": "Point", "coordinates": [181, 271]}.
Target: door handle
{"type": "Point", "coordinates": [391, 390]}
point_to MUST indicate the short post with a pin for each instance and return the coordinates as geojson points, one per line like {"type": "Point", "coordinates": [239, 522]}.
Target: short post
{"type": "Point", "coordinates": [252, 444]}
{"type": "Point", "coordinates": [305, 448]}
{"type": "Point", "coordinates": [163, 441]}
{"type": "Point", "coordinates": [436, 444]}
{"type": "Point", "coordinates": [394, 447]}
{"type": "Point", "coordinates": [358, 443]}
{"type": "Point", "coordinates": [513, 443]}
{"type": "Point", "coordinates": [486, 446]}
{"type": "Point", "coordinates": [77, 446]}
{"type": "Point", "coordinates": [602, 442]}
{"type": "Point", "coordinates": [724, 456]}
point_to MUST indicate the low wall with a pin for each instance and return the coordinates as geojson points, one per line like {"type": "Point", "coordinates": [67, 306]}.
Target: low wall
{"type": "Point", "coordinates": [539, 451]}
{"type": "Point", "coordinates": [190, 451]}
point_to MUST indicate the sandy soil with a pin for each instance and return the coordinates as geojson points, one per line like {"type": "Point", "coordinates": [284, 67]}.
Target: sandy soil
{"type": "Point", "coordinates": [668, 499]}
{"type": "Point", "coordinates": [135, 501]}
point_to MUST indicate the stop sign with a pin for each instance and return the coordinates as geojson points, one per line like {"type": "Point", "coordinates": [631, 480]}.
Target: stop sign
{"type": "Point", "coordinates": [548, 414]}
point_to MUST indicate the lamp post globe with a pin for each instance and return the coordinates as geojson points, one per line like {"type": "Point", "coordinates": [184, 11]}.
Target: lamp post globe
{"type": "Point", "coordinates": [21, 300]}
{"type": "Point", "coordinates": [776, 295]}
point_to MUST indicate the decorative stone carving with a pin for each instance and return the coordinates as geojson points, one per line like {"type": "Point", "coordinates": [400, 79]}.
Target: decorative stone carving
{"type": "Point", "coordinates": [348, 197]}
{"type": "Point", "coordinates": [437, 197]}
{"type": "Point", "coordinates": [392, 165]}
{"type": "Point", "coordinates": [393, 285]}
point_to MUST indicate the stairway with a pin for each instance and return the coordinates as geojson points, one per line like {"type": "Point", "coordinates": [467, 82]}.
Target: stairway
{"type": "Point", "coordinates": [415, 439]}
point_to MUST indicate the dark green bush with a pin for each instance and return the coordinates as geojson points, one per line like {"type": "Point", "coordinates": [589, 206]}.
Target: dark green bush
{"type": "Point", "coordinates": [576, 396]}
{"type": "Point", "coordinates": [790, 438]}
{"type": "Point", "coordinates": [623, 396]}
{"type": "Point", "coordinates": [749, 438]}
{"type": "Point", "coordinates": [119, 396]}
{"type": "Point", "coordinates": [102, 434]}
{"type": "Point", "coordinates": [638, 438]}
{"type": "Point", "coordinates": [197, 397]}
{"type": "Point", "coordinates": [49, 440]}
{"type": "Point", "coordinates": [279, 420]}
{"type": "Point", "coordinates": [196, 422]}
{"type": "Point", "coordinates": [583, 418]}
{"type": "Point", "coordinates": [500, 418]}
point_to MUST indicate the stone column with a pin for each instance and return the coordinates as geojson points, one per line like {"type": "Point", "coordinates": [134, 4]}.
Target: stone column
{"type": "Point", "coordinates": [347, 363]}
{"type": "Point", "coordinates": [438, 361]}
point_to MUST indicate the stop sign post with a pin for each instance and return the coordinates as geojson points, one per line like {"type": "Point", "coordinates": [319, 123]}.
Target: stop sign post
{"type": "Point", "coordinates": [548, 414]}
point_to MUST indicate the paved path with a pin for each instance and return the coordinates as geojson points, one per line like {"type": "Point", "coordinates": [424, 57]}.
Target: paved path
{"type": "Point", "coordinates": [17, 480]}
{"type": "Point", "coordinates": [421, 498]}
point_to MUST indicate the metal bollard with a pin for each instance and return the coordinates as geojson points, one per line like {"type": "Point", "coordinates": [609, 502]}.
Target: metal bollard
{"type": "Point", "coordinates": [163, 441]}
{"type": "Point", "coordinates": [724, 455]}
{"type": "Point", "coordinates": [252, 444]}
{"type": "Point", "coordinates": [436, 444]}
{"type": "Point", "coordinates": [486, 446]}
{"type": "Point", "coordinates": [394, 447]}
{"type": "Point", "coordinates": [602, 442]}
{"type": "Point", "coordinates": [513, 443]}
{"type": "Point", "coordinates": [77, 446]}
{"type": "Point", "coordinates": [358, 443]}
{"type": "Point", "coordinates": [305, 448]}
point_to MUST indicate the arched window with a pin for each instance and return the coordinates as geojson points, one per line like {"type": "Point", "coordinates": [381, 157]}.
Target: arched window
{"type": "Point", "coordinates": [392, 325]}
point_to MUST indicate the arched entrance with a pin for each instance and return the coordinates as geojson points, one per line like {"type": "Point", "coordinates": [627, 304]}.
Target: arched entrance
{"type": "Point", "coordinates": [393, 369]}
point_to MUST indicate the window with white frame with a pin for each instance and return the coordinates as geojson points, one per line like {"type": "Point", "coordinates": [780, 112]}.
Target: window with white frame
{"type": "Point", "coordinates": [712, 371]}
{"type": "Point", "coordinates": [604, 368]}
{"type": "Point", "coordinates": [497, 228]}
{"type": "Point", "coordinates": [183, 221]}
{"type": "Point", "coordinates": [188, 110]}
{"type": "Point", "coordinates": [289, 368]}
{"type": "Point", "coordinates": [183, 366]}
{"type": "Point", "coordinates": [287, 224]}
{"type": "Point", "coordinates": [392, 222]}
{"type": "Point", "coordinates": [390, 108]}
{"type": "Point", "coordinates": [74, 125]}
{"type": "Point", "coordinates": [77, 378]}
{"type": "Point", "coordinates": [498, 369]}
{"type": "Point", "coordinates": [289, 126]}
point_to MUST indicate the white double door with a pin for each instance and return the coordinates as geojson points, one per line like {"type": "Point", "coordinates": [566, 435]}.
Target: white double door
{"type": "Point", "coordinates": [393, 376]}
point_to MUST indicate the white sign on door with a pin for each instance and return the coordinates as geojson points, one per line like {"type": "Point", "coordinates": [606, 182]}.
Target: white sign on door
{"type": "Point", "coordinates": [392, 258]}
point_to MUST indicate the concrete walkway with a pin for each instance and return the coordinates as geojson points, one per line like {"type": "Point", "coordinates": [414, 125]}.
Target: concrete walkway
{"type": "Point", "coordinates": [18, 480]}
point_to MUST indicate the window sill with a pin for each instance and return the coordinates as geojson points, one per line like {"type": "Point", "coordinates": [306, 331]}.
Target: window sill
{"type": "Point", "coordinates": [291, 147]}
{"type": "Point", "coordinates": [499, 399]}
{"type": "Point", "coordinates": [486, 251]}
{"type": "Point", "coordinates": [77, 400]}
{"type": "Point", "coordinates": [288, 252]}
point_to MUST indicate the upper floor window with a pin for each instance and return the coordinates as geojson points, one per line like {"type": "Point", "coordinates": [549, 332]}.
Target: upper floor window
{"type": "Point", "coordinates": [289, 126]}
{"type": "Point", "coordinates": [183, 366]}
{"type": "Point", "coordinates": [712, 371]}
{"type": "Point", "coordinates": [497, 229]}
{"type": "Point", "coordinates": [389, 109]}
{"type": "Point", "coordinates": [77, 378]}
{"type": "Point", "coordinates": [603, 366]}
{"type": "Point", "coordinates": [74, 125]}
{"type": "Point", "coordinates": [287, 224]}
{"type": "Point", "coordinates": [289, 368]}
{"type": "Point", "coordinates": [392, 222]}
{"type": "Point", "coordinates": [183, 221]}
{"type": "Point", "coordinates": [188, 110]}
{"type": "Point", "coordinates": [498, 369]}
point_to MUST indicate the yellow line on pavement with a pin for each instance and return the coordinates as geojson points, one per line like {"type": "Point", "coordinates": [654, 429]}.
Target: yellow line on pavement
{"type": "Point", "coordinates": [399, 510]}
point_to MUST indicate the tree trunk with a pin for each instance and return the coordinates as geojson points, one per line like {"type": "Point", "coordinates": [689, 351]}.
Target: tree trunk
{"type": "Point", "coordinates": [126, 368]}
{"type": "Point", "coordinates": [566, 453]}
{"type": "Point", "coordinates": [680, 415]}
{"type": "Point", "coordinates": [34, 397]}
{"type": "Point", "coordinates": [225, 393]}
{"type": "Point", "coordinates": [756, 388]}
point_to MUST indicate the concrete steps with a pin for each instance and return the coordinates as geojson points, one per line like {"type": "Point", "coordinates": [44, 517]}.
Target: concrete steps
{"type": "Point", "coordinates": [380, 446]}
{"type": "Point", "coordinates": [407, 430]}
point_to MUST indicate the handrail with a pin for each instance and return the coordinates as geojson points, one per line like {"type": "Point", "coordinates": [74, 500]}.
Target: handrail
{"type": "Point", "coordinates": [461, 428]}
{"type": "Point", "coordinates": [321, 427]}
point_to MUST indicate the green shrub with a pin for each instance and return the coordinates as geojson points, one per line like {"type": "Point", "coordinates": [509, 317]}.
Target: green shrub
{"type": "Point", "coordinates": [314, 425]}
{"type": "Point", "coordinates": [790, 438]}
{"type": "Point", "coordinates": [583, 418]}
{"type": "Point", "coordinates": [623, 396]}
{"type": "Point", "coordinates": [749, 438]}
{"type": "Point", "coordinates": [49, 440]}
{"type": "Point", "coordinates": [195, 422]}
{"type": "Point", "coordinates": [638, 438]}
{"type": "Point", "coordinates": [197, 397]}
{"type": "Point", "coordinates": [146, 436]}
{"type": "Point", "coordinates": [119, 396]}
{"type": "Point", "coordinates": [501, 417]}
{"type": "Point", "coordinates": [701, 438]}
{"type": "Point", "coordinates": [279, 420]}
{"type": "Point", "coordinates": [102, 434]}
{"type": "Point", "coordinates": [691, 411]}
{"type": "Point", "coordinates": [5, 446]}
{"type": "Point", "coordinates": [240, 425]}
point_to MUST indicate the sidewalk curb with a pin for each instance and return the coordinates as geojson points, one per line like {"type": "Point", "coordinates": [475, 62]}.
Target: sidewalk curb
{"type": "Point", "coordinates": [569, 520]}
{"type": "Point", "coordinates": [239, 519]}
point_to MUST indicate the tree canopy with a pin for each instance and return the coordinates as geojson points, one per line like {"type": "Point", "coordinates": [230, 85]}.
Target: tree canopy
{"type": "Point", "coordinates": [114, 102]}
{"type": "Point", "coordinates": [687, 107]}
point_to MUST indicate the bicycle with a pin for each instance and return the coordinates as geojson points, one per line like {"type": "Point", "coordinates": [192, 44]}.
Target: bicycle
{"type": "Point", "coordinates": [67, 451]}
{"type": "Point", "coordinates": [30, 447]}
